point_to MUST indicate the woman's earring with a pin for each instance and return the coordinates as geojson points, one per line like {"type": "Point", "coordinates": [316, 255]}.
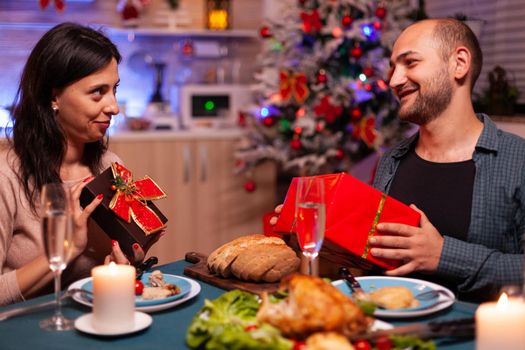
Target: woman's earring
{"type": "Point", "coordinates": [55, 109]}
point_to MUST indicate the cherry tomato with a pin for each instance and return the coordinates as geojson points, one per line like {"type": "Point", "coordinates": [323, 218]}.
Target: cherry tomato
{"type": "Point", "coordinates": [298, 345]}
{"type": "Point", "coordinates": [139, 287]}
{"type": "Point", "coordinates": [250, 327]}
{"type": "Point", "coordinates": [384, 343]}
{"type": "Point", "coordinates": [362, 345]}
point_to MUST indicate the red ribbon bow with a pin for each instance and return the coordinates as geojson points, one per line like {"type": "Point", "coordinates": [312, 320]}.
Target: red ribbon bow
{"type": "Point", "coordinates": [295, 85]}
{"type": "Point", "coordinates": [130, 200]}
{"type": "Point", "coordinates": [366, 131]}
{"type": "Point", "coordinates": [311, 21]}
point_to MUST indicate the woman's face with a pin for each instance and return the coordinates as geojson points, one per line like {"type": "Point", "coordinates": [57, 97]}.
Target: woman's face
{"type": "Point", "coordinates": [86, 106]}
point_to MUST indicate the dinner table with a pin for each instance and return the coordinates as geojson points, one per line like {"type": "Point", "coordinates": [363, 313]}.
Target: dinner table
{"type": "Point", "coordinates": [169, 326]}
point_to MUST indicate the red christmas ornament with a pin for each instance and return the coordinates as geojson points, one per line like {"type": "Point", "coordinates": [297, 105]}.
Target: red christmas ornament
{"type": "Point", "coordinates": [265, 32]}
{"type": "Point", "coordinates": [356, 113]}
{"type": "Point", "coordinates": [368, 71]}
{"type": "Point", "coordinates": [250, 186]}
{"type": "Point", "coordinates": [340, 154]}
{"type": "Point", "coordinates": [368, 87]}
{"type": "Point", "coordinates": [113, 187]}
{"type": "Point", "coordinates": [296, 144]}
{"type": "Point", "coordinates": [356, 52]}
{"type": "Point", "coordinates": [346, 21]}
{"type": "Point", "coordinates": [269, 121]}
{"type": "Point", "coordinates": [380, 12]}
{"type": "Point", "coordinates": [321, 77]}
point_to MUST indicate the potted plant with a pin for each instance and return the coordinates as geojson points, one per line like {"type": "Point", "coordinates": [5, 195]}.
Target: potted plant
{"type": "Point", "coordinates": [501, 96]}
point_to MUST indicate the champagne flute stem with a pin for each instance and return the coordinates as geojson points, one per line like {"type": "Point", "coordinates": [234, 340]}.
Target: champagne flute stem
{"type": "Point", "coordinates": [58, 309]}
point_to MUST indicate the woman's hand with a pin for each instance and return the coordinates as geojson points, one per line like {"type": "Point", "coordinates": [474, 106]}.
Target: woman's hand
{"type": "Point", "coordinates": [119, 257]}
{"type": "Point", "coordinates": [81, 216]}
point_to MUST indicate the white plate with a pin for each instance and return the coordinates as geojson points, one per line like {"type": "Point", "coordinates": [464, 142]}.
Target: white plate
{"type": "Point", "coordinates": [416, 286]}
{"type": "Point", "coordinates": [195, 289]}
{"type": "Point", "coordinates": [84, 324]}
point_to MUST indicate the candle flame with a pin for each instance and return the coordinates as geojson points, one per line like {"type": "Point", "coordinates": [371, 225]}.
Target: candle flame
{"type": "Point", "coordinates": [112, 267]}
{"type": "Point", "coordinates": [503, 302]}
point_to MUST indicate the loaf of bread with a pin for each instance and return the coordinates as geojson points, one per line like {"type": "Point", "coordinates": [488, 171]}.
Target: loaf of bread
{"type": "Point", "coordinates": [256, 258]}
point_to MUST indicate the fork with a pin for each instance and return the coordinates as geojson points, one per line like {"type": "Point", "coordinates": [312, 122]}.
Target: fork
{"type": "Point", "coordinates": [431, 294]}
{"type": "Point", "coordinates": [30, 308]}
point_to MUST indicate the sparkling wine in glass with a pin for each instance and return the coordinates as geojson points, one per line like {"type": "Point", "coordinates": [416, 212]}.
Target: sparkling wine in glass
{"type": "Point", "coordinates": [310, 218]}
{"type": "Point", "coordinates": [58, 244]}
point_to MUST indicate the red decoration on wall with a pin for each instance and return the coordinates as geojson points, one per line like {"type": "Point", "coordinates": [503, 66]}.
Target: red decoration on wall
{"type": "Point", "coordinates": [59, 4]}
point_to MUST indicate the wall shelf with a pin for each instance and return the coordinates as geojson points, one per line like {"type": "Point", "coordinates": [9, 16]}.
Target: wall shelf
{"type": "Point", "coordinates": [180, 32]}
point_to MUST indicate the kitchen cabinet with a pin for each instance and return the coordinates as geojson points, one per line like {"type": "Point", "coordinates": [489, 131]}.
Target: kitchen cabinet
{"type": "Point", "coordinates": [207, 204]}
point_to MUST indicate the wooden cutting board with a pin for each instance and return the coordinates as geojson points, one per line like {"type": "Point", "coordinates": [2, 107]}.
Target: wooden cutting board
{"type": "Point", "coordinates": [199, 270]}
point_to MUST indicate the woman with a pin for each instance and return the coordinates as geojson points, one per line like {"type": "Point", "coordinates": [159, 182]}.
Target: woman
{"type": "Point", "coordinates": [64, 106]}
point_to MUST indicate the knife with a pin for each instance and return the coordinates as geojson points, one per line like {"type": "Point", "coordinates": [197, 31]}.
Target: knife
{"type": "Point", "coordinates": [463, 327]}
{"type": "Point", "coordinates": [145, 266]}
{"type": "Point", "coordinates": [351, 281]}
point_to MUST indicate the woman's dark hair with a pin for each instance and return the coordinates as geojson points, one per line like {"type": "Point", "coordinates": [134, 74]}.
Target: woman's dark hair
{"type": "Point", "coordinates": [65, 54]}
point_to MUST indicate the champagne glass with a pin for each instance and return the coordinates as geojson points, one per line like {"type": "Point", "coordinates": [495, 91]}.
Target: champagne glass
{"type": "Point", "coordinates": [310, 218]}
{"type": "Point", "coordinates": [58, 244]}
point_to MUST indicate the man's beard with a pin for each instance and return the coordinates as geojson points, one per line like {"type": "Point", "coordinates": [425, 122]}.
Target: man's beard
{"type": "Point", "coordinates": [427, 107]}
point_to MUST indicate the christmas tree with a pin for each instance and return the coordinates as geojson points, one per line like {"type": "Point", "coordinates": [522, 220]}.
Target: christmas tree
{"type": "Point", "coordinates": [322, 99]}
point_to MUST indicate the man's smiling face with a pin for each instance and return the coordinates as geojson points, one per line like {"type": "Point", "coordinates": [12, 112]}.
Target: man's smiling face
{"type": "Point", "coordinates": [418, 75]}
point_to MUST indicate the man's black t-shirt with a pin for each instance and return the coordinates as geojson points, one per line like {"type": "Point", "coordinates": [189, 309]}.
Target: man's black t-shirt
{"type": "Point", "coordinates": [443, 191]}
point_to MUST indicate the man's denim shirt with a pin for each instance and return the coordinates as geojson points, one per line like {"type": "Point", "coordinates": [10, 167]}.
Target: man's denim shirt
{"type": "Point", "coordinates": [492, 256]}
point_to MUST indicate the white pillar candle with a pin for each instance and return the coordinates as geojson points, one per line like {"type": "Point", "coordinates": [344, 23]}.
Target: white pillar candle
{"type": "Point", "coordinates": [113, 297]}
{"type": "Point", "coordinates": [501, 325]}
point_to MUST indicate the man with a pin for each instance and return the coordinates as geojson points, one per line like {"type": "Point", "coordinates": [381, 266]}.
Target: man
{"type": "Point", "coordinates": [459, 170]}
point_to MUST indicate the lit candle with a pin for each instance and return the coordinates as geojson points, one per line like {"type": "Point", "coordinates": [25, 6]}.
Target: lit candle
{"type": "Point", "coordinates": [113, 297]}
{"type": "Point", "coordinates": [501, 325]}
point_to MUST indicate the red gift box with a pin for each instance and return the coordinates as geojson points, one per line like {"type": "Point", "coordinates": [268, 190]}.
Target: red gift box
{"type": "Point", "coordinates": [353, 209]}
{"type": "Point", "coordinates": [126, 213]}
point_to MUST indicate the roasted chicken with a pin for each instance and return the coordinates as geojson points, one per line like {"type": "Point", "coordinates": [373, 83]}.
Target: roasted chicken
{"type": "Point", "coordinates": [312, 305]}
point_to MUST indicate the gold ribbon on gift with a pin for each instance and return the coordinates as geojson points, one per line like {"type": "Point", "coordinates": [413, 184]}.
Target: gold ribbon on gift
{"type": "Point", "coordinates": [374, 224]}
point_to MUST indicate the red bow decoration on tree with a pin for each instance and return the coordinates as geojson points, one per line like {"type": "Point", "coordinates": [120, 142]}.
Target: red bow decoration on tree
{"type": "Point", "coordinates": [311, 21]}
{"type": "Point", "coordinates": [293, 85]}
{"type": "Point", "coordinates": [59, 4]}
{"type": "Point", "coordinates": [328, 110]}
{"type": "Point", "coordinates": [130, 200]}
{"type": "Point", "coordinates": [365, 130]}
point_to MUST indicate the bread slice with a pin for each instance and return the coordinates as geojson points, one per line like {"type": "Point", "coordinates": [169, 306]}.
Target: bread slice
{"type": "Point", "coordinates": [221, 259]}
{"type": "Point", "coordinates": [265, 263]}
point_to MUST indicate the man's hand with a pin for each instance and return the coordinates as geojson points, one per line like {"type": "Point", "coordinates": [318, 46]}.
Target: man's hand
{"type": "Point", "coordinates": [277, 211]}
{"type": "Point", "coordinates": [418, 247]}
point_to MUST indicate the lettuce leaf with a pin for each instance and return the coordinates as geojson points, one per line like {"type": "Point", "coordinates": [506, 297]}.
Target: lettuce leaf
{"type": "Point", "coordinates": [221, 324]}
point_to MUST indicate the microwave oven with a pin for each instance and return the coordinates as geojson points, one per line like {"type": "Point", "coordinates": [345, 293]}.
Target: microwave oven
{"type": "Point", "coordinates": [216, 105]}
